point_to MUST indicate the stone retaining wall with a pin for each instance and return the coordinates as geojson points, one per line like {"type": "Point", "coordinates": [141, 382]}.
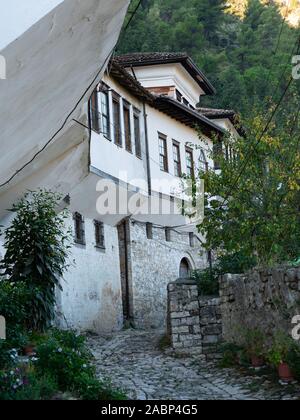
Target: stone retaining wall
{"type": "Point", "coordinates": [194, 322]}
{"type": "Point", "coordinates": [267, 300]}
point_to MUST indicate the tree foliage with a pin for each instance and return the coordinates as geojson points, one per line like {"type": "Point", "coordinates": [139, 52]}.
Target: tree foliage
{"type": "Point", "coordinates": [239, 52]}
{"type": "Point", "coordinates": [36, 245]}
{"type": "Point", "coordinates": [252, 205]}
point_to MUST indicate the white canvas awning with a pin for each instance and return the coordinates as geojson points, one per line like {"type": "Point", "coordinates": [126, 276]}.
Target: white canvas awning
{"type": "Point", "coordinates": [53, 50]}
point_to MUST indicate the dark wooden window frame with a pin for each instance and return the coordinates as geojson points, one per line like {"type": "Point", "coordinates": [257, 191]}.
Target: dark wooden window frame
{"type": "Point", "coordinates": [177, 163]}
{"type": "Point", "coordinates": [202, 160]}
{"type": "Point", "coordinates": [127, 125]}
{"type": "Point", "coordinates": [149, 230]}
{"type": "Point", "coordinates": [163, 157]}
{"type": "Point", "coordinates": [117, 123]}
{"type": "Point", "coordinates": [168, 234]}
{"type": "Point", "coordinates": [94, 112]}
{"type": "Point", "coordinates": [189, 152]}
{"type": "Point", "coordinates": [79, 229]}
{"type": "Point", "coordinates": [179, 96]}
{"type": "Point", "coordinates": [137, 132]}
{"type": "Point", "coordinates": [104, 90]}
{"type": "Point", "coordinates": [192, 239]}
{"type": "Point", "coordinates": [99, 234]}
{"type": "Point", "coordinates": [217, 152]}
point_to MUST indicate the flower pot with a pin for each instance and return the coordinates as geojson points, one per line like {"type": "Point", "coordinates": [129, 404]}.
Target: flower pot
{"type": "Point", "coordinates": [257, 361]}
{"type": "Point", "coordinates": [285, 373]}
{"type": "Point", "coordinates": [29, 350]}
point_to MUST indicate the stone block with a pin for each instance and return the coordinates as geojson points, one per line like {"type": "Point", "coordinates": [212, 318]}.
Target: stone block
{"type": "Point", "coordinates": [175, 315]}
{"type": "Point", "coordinates": [181, 330]}
{"type": "Point", "coordinates": [211, 339]}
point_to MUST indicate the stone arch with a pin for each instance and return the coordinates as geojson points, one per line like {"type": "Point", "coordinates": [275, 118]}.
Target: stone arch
{"type": "Point", "coordinates": [185, 268]}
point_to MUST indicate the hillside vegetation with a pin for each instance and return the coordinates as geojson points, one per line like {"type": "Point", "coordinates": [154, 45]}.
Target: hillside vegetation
{"type": "Point", "coordinates": [244, 47]}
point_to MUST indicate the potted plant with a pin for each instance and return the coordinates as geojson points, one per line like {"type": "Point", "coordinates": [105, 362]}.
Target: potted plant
{"type": "Point", "coordinates": [278, 356]}
{"type": "Point", "coordinates": [254, 342]}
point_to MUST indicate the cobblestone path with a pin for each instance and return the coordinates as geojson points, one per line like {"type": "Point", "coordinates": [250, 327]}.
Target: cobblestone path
{"type": "Point", "coordinates": [133, 361]}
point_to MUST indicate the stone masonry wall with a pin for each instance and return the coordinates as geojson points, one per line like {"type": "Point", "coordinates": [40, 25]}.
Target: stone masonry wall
{"type": "Point", "coordinates": [155, 263]}
{"type": "Point", "coordinates": [194, 322]}
{"type": "Point", "coordinates": [267, 300]}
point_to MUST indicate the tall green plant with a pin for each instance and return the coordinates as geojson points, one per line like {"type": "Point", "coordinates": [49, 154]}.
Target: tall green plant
{"type": "Point", "coordinates": [36, 246]}
{"type": "Point", "coordinates": [252, 204]}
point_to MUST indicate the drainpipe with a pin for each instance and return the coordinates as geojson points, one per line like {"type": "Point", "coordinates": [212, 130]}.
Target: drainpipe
{"type": "Point", "coordinates": [147, 151]}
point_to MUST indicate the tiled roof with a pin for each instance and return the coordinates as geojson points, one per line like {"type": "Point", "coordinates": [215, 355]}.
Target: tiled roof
{"type": "Point", "coordinates": [217, 113]}
{"type": "Point", "coordinates": [142, 58]}
{"type": "Point", "coordinates": [155, 58]}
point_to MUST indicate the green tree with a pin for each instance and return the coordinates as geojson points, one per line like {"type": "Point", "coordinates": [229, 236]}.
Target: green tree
{"type": "Point", "coordinates": [36, 245]}
{"type": "Point", "coordinates": [252, 204]}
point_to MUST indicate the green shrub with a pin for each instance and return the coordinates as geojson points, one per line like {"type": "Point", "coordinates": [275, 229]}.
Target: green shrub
{"type": "Point", "coordinates": [233, 355]}
{"type": "Point", "coordinates": [280, 349]}
{"type": "Point", "coordinates": [293, 360]}
{"type": "Point", "coordinates": [91, 389]}
{"type": "Point", "coordinates": [19, 384]}
{"type": "Point", "coordinates": [208, 279]}
{"type": "Point", "coordinates": [14, 302]}
{"type": "Point", "coordinates": [254, 342]}
{"type": "Point", "coordinates": [64, 363]}
{"type": "Point", "coordinates": [65, 357]}
{"type": "Point", "coordinates": [36, 250]}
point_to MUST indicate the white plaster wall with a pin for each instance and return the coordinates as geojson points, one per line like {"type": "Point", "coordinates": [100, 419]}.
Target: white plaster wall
{"type": "Point", "coordinates": [174, 130]}
{"type": "Point", "coordinates": [91, 297]}
{"type": "Point", "coordinates": [114, 160]}
{"type": "Point", "coordinates": [170, 75]}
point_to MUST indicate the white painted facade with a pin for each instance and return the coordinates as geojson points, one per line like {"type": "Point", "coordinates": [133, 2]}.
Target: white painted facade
{"type": "Point", "coordinates": [50, 145]}
{"type": "Point", "coordinates": [93, 296]}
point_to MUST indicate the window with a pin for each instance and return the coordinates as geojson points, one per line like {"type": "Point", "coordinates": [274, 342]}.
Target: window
{"type": "Point", "coordinates": [105, 119]}
{"type": "Point", "coordinates": [163, 153]}
{"type": "Point", "coordinates": [99, 234]}
{"type": "Point", "coordinates": [79, 229]}
{"type": "Point", "coordinates": [185, 102]}
{"type": "Point", "coordinates": [116, 113]}
{"type": "Point", "coordinates": [149, 230]}
{"type": "Point", "coordinates": [126, 112]}
{"type": "Point", "coordinates": [202, 161]}
{"type": "Point", "coordinates": [178, 96]}
{"type": "Point", "coordinates": [94, 109]}
{"type": "Point", "coordinates": [168, 234]}
{"type": "Point", "coordinates": [192, 239]}
{"type": "Point", "coordinates": [137, 134]}
{"type": "Point", "coordinates": [190, 163]}
{"type": "Point", "coordinates": [217, 152]}
{"type": "Point", "coordinates": [176, 157]}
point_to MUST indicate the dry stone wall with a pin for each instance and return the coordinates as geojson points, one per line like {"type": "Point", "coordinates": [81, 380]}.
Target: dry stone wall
{"type": "Point", "coordinates": [194, 322]}
{"type": "Point", "coordinates": [267, 300]}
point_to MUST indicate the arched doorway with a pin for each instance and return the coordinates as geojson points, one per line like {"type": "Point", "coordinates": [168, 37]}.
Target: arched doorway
{"type": "Point", "coordinates": [185, 269]}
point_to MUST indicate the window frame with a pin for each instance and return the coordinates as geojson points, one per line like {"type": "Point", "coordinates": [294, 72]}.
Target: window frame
{"type": "Point", "coordinates": [189, 152]}
{"type": "Point", "coordinates": [79, 229]}
{"type": "Point", "coordinates": [127, 125]}
{"type": "Point", "coordinates": [149, 230]}
{"type": "Point", "coordinates": [168, 234]}
{"type": "Point", "coordinates": [163, 158]}
{"type": "Point", "coordinates": [99, 232]}
{"type": "Point", "coordinates": [177, 164]}
{"type": "Point", "coordinates": [203, 163]}
{"type": "Point", "coordinates": [137, 133]}
{"type": "Point", "coordinates": [94, 112]}
{"type": "Point", "coordinates": [104, 91]}
{"type": "Point", "coordinates": [116, 105]}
